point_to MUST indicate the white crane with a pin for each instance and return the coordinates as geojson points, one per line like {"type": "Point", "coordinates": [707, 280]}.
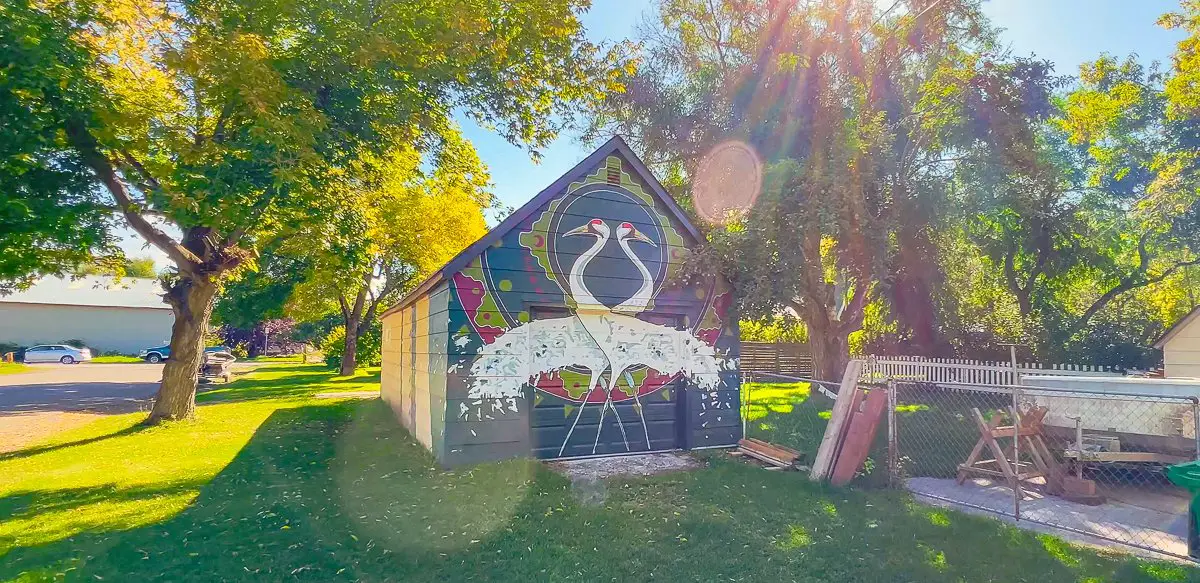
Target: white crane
{"type": "Point", "coordinates": [627, 341]}
{"type": "Point", "coordinates": [505, 366]}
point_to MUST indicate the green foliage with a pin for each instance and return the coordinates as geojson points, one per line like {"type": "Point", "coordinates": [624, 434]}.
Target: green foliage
{"type": "Point", "coordinates": [777, 328]}
{"type": "Point", "coordinates": [852, 113]}
{"type": "Point", "coordinates": [49, 219]}
{"type": "Point", "coordinates": [242, 122]}
{"type": "Point", "coordinates": [370, 345]}
{"type": "Point", "coordinates": [142, 267]}
{"type": "Point", "coordinates": [261, 291]}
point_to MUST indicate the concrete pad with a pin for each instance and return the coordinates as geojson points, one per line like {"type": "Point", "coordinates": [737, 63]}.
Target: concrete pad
{"type": "Point", "coordinates": [1115, 524]}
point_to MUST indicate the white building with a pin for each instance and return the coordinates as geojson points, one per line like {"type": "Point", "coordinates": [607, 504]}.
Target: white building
{"type": "Point", "coordinates": [107, 315]}
{"type": "Point", "coordinates": [1181, 347]}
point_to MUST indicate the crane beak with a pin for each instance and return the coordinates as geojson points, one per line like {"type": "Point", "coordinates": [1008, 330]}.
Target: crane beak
{"type": "Point", "coordinates": [637, 235]}
{"type": "Point", "coordinates": [580, 230]}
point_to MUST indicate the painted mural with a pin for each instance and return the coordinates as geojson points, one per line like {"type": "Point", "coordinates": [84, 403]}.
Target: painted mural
{"type": "Point", "coordinates": [627, 333]}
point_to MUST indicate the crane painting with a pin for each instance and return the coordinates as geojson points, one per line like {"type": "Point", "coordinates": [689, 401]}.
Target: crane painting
{"type": "Point", "coordinates": [609, 271]}
{"type": "Point", "coordinates": [569, 330]}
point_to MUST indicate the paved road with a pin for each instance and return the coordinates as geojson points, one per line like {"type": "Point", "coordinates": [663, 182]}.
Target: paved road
{"type": "Point", "coordinates": [79, 387]}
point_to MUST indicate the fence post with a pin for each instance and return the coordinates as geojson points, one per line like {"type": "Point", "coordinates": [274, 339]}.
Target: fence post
{"type": "Point", "coordinates": [1196, 425]}
{"type": "Point", "coordinates": [893, 446]}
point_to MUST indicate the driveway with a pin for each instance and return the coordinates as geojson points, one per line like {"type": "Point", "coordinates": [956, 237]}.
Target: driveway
{"type": "Point", "coordinates": [53, 398]}
{"type": "Point", "coordinates": [106, 388]}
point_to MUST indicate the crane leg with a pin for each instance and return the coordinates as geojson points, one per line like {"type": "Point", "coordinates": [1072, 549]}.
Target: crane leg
{"type": "Point", "coordinates": [588, 393]}
{"type": "Point", "coordinates": [600, 426]}
{"type": "Point", "coordinates": [612, 406]}
{"type": "Point", "coordinates": [641, 411]}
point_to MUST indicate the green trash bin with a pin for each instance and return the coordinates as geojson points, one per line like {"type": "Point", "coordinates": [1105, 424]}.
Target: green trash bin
{"type": "Point", "coordinates": [1187, 475]}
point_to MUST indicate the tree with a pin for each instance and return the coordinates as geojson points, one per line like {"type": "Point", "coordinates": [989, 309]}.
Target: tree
{"type": "Point", "coordinates": [406, 223]}
{"type": "Point", "coordinates": [1094, 204]}
{"type": "Point", "coordinates": [232, 120]}
{"type": "Point", "coordinates": [49, 222]}
{"type": "Point", "coordinates": [119, 266]}
{"type": "Point", "coordinates": [852, 108]}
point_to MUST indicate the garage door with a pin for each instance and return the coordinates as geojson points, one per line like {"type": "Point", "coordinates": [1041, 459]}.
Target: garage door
{"type": "Point", "coordinates": [570, 421]}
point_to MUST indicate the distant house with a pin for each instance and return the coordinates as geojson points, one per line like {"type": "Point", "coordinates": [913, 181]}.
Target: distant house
{"type": "Point", "coordinates": [1181, 347]}
{"type": "Point", "coordinates": [107, 315]}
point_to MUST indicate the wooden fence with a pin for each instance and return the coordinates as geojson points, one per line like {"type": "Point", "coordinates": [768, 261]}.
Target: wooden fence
{"type": "Point", "coordinates": [794, 359]}
{"type": "Point", "coordinates": [959, 370]}
{"type": "Point", "coordinates": [791, 359]}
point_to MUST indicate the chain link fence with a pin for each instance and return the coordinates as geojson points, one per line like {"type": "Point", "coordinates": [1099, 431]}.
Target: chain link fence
{"type": "Point", "coordinates": [794, 411]}
{"type": "Point", "coordinates": [1085, 462]}
{"type": "Point", "coordinates": [1089, 463]}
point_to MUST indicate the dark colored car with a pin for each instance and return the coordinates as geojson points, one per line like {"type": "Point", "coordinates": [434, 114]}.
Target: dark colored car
{"type": "Point", "coordinates": [161, 353]}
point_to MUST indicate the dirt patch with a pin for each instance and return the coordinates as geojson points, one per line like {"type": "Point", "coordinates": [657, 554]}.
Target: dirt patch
{"type": "Point", "coordinates": [21, 430]}
{"type": "Point", "coordinates": [588, 475]}
{"type": "Point", "coordinates": [625, 465]}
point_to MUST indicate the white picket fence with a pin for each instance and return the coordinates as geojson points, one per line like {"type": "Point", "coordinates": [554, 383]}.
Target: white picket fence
{"type": "Point", "coordinates": [959, 370]}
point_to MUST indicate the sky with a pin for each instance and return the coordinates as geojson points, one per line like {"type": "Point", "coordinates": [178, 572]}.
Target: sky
{"type": "Point", "coordinates": [1066, 32]}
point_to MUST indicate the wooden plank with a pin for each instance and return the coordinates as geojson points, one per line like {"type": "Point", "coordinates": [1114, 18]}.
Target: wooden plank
{"type": "Point", "coordinates": [1127, 456]}
{"type": "Point", "coordinates": [834, 431]}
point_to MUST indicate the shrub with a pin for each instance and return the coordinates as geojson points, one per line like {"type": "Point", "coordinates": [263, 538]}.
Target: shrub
{"type": "Point", "coordinates": [17, 350]}
{"type": "Point", "coordinates": [370, 345]}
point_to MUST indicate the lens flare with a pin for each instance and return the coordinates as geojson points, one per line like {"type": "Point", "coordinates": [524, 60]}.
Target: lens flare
{"type": "Point", "coordinates": [727, 182]}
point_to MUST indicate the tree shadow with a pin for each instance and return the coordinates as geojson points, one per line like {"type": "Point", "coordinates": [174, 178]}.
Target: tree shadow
{"type": "Point", "coordinates": [339, 492]}
{"type": "Point", "coordinates": [31, 451]}
{"type": "Point", "coordinates": [281, 382]}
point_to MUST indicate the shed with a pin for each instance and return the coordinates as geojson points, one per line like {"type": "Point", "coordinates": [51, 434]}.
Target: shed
{"type": "Point", "coordinates": [1181, 347]}
{"type": "Point", "coordinates": [565, 330]}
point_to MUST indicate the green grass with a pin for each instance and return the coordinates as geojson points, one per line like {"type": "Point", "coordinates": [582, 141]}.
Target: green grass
{"type": "Point", "coordinates": [117, 359]}
{"type": "Point", "coordinates": [271, 484]}
{"type": "Point", "coordinates": [13, 367]}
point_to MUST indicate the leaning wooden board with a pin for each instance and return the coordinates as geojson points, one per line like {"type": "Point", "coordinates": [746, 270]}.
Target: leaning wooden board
{"type": "Point", "coordinates": [835, 430]}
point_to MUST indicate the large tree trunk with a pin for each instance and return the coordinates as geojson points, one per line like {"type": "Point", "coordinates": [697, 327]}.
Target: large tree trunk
{"type": "Point", "coordinates": [191, 298]}
{"type": "Point", "coordinates": [830, 351]}
{"type": "Point", "coordinates": [352, 317]}
{"type": "Point", "coordinates": [350, 351]}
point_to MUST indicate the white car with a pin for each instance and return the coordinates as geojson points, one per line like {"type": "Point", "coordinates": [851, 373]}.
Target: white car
{"type": "Point", "coordinates": [57, 353]}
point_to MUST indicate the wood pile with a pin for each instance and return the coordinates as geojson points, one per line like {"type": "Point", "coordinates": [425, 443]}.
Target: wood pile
{"type": "Point", "coordinates": [775, 456]}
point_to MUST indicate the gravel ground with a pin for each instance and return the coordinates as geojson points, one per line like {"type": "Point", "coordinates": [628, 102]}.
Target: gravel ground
{"type": "Point", "coordinates": [625, 465]}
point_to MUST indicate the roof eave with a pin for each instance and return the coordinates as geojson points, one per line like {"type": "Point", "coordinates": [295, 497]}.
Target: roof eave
{"type": "Point", "coordinates": [1180, 325]}
{"type": "Point", "coordinates": [614, 144]}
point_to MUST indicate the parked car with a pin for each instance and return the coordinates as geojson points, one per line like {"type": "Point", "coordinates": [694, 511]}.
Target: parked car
{"type": "Point", "coordinates": [161, 353]}
{"type": "Point", "coordinates": [57, 353]}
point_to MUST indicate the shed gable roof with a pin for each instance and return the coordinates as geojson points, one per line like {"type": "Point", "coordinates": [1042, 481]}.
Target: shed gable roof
{"type": "Point", "coordinates": [614, 146]}
{"type": "Point", "coordinates": [1173, 331]}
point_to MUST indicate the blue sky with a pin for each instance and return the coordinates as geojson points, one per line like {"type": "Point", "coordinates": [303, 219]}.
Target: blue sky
{"type": "Point", "coordinates": [1067, 32]}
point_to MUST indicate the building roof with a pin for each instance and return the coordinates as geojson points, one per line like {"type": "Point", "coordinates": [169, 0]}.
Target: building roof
{"type": "Point", "coordinates": [614, 145]}
{"type": "Point", "coordinates": [1178, 327]}
{"type": "Point", "coordinates": [1194, 314]}
{"type": "Point", "coordinates": [100, 291]}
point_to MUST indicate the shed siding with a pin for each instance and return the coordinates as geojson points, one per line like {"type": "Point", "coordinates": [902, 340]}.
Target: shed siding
{"type": "Point", "coordinates": [490, 400]}
{"type": "Point", "coordinates": [1181, 354]}
{"type": "Point", "coordinates": [413, 377]}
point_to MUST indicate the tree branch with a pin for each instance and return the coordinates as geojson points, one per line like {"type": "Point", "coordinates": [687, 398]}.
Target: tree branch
{"type": "Point", "coordinates": [89, 149]}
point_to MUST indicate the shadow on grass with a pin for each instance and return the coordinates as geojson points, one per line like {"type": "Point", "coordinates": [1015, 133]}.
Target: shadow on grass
{"type": "Point", "coordinates": [282, 382]}
{"type": "Point", "coordinates": [32, 451]}
{"type": "Point", "coordinates": [339, 492]}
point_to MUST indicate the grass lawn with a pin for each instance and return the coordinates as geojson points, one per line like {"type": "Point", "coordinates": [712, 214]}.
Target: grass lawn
{"type": "Point", "coordinates": [292, 358]}
{"type": "Point", "coordinates": [272, 484]}
{"type": "Point", "coordinates": [13, 367]}
{"type": "Point", "coordinates": [117, 359]}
